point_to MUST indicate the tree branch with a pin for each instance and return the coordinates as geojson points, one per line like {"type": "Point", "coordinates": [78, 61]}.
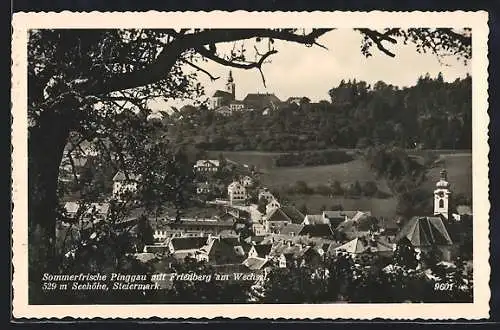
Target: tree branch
{"type": "Point", "coordinates": [378, 37]}
{"type": "Point", "coordinates": [212, 78]}
{"type": "Point", "coordinates": [159, 69]}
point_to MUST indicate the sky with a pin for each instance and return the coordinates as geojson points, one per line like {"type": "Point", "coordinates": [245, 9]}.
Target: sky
{"type": "Point", "coordinates": [297, 70]}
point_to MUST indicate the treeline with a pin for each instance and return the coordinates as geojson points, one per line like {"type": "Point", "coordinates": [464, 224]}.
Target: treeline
{"type": "Point", "coordinates": [433, 114]}
{"type": "Point", "coordinates": [402, 172]}
{"type": "Point", "coordinates": [308, 158]}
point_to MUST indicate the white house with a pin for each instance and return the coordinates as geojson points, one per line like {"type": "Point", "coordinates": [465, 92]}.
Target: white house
{"type": "Point", "coordinates": [237, 193]}
{"type": "Point", "coordinates": [258, 229]}
{"type": "Point", "coordinates": [281, 261]}
{"type": "Point", "coordinates": [207, 165]}
{"type": "Point", "coordinates": [272, 205]}
{"type": "Point", "coordinates": [266, 195]}
{"type": "Point", "coordinates": [160, 235]}
{"type": "Point", "coordinates": [203, 188]}
{"type": "Point", "coordinates": [247, 181]}
{"type": "Point", "coordinates": [123, 185]}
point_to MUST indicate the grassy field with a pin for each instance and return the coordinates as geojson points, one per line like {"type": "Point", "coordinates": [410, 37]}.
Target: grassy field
{"type": "Point", "coordinates": [459, 168]}
{"type": "Point", "coordinates": [458, 164]}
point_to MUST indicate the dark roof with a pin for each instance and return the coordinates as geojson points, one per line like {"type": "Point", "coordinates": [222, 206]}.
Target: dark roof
{"type": "Point", "coordinates": [188, 243]}
{"type": "Point", "coordinates": [219, 93]}
{"type": "Point", "coordinates": [227, 250]}
{"type": "Point", "coordinates": [288, 229]}
{"type": "Point", "coordinates": [262, 100]}
{"type": "Point", "coordinates": [231, 268]}
{"type": "Point", "coordinates": [319, 230]}
{"type": "Point", "coordinates": [263, 249]}
{"type": "Point", "coordinates": [425, 231]}
{"type": "Point", "coordinates": [287, 213]}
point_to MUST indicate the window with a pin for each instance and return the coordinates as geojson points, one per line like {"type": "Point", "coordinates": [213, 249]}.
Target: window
{"type": "Point", "coordinates": [441, 203]}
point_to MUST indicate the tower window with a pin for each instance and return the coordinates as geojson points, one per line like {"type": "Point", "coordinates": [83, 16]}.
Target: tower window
{"type": "Point", "coordinates": [441, 203]}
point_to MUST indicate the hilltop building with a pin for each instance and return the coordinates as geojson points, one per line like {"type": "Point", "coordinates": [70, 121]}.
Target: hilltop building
{"type": "Point", "coordinates": [225, 103]}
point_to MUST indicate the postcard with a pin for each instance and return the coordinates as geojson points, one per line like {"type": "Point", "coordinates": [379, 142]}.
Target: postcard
{"type": "Point", "coordinates": [297, 165]}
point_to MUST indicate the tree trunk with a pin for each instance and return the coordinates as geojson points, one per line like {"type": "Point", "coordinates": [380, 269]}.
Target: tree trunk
{"type": "Point", "coordinates": [46, 144]}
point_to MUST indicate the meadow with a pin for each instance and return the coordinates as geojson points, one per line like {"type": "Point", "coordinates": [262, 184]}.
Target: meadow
{"type": "Point", "coordinates": [458, 164]}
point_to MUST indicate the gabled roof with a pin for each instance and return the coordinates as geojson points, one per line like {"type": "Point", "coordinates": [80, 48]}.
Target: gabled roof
{"type": "Point", "coordinates": [425, 231]}
{"type": "Point", "coordinates": [120, 176]}
{"type": "Point", "coordinates": [188, 243]}
{"type": "Point", "coordinates": [255, 263]}
{"type": "Point", "coordinates": [71, 207]}
{"type": "Point", "coordinates": [205, 162]}
{"type": "Point", "coordinates": [257, 97]}
{"type": "Point", "coordinates": [227, 250]}
{"type": "Point", "coordinates": [354, 246]}
{"type": "Point", "coordinates": [318, 230]}
{"type": "Point", "coordinates": [286, 213]}
{"type": "Point", "coordinates": [223, 108]}
{"type": "Point", "coordinates": [235, 185]}
{"type": "Point", "coordinates": [343, 214]}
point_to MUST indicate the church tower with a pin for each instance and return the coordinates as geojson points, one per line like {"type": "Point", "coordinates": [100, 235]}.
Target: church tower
{"type": "Point", "coordinates": [442, 195]}
{"type": "Point", "coordinates": [230, 86]}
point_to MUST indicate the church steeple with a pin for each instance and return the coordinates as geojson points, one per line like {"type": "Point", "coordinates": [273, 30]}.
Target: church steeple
{"type": "Point", "coordinates": [442, 195]}
{"type": "Point", "coordinates": [230, 86]}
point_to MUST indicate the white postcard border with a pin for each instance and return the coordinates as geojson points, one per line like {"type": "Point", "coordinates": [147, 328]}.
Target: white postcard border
{"type": "Point", "coordinates": [479, 309]}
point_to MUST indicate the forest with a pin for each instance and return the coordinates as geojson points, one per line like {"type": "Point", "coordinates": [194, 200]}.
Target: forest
{"type": "Point", "coordinates": [432, 114]}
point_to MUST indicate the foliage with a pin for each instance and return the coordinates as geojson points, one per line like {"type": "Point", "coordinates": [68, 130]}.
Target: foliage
{"type": "Point", "coordinates": [432, 114]}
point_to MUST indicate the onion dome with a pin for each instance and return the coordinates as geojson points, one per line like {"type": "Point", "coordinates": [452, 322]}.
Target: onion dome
{"type": "Point", "coordinates": [443, 182]}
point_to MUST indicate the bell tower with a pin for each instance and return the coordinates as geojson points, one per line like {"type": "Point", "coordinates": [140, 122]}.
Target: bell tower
{"type": "Point", "coordinates": [442, 195]}
{"type": "Point", "coordinates": [230, 85]}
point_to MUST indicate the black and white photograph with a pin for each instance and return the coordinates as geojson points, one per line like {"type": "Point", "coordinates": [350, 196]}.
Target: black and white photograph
{"type": "Point", "coordinates": [233, 164]}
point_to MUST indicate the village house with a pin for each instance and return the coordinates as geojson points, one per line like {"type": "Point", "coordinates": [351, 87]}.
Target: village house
{"type": "Point", "coordinates": [256, 263]}
{"type": "Point", "coordinates": [265, 194]}
{"type": "Point", "coordinates": [426, 233]}
{"type": "Point", "coordinates": [337, 217]}
{"type": "Point", "coordinates": [228, 250]}
{"type": "Point", "coordinates": [207, 165]}
{"type": "Point", "coordinates": [197, 227]}
{"type": "Point", "coordinates": [203, 188]}
{"type": "Point", "coordinates": [260, 251]}
{"type": "Point", "coordinates": [237, 193]}
{"type": "Point", "coordinates": [182, 247]}
{"type": "Point", "coordinates": [290, 229]}
{"type": "Point", "coordinates": [272, 205]}
{"type": "Point", "coordinates": [236, 106]}
{"type": "Point", "coordinates": [247, 181]}
{"type": "Point", "coordinates": [92, 212]}
{"type": "Point", "coordinates": [224, 111]}
{"type": "Point", "coordinates": [284, 214]}
{"type": "Point", "coordinates": [323, 230]}
{"type": "Point", "coordinates": [258, 229]}
{"type": "Point", "coordinates": [124, 185]}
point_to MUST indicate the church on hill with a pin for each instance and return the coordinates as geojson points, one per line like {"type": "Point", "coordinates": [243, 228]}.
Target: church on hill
{"type": "Point", "coordinates": [224, 101]}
